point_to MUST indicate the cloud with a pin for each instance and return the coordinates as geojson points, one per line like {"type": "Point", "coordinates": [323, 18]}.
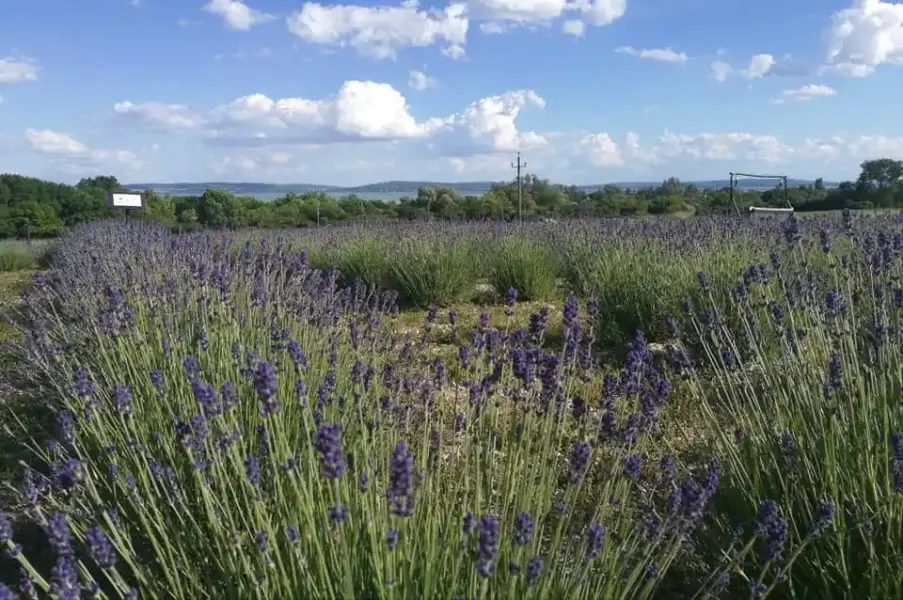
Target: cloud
{"type": "Point", "coordinates": [381, 31]}
{"type": "Point", "coordinates": [659, 54]}
{"type": "Point", "coordinates": [66, 148]}
{"type": "Point", "coordinates": [805, 93]}
{"type": "Point", "coordinates": [723, 146]}
{"type": "Point", "coordinates": [602, 12]}
{"type": "Point", "coordinates": [500, 16]}
{"type": "Point", "coordinates": [236, 14]}
{"type": "Point", "coordinates": [721, 70]}
{"type": "Point", "coordinates": [360, 111]}
{"type": "Point", "coordinates": [162, 116]}
{"type": "Point", "coordinates": [602, 150]}
{"type": "Point", "coordinates": [419, 81]}
{"type": "Point", "coordinates": [490, 125]}
{"type": "Point", "coordinates": [574, 27]}
{"type": "Point", "coordinates": [865, 147]}
{"type": "Point", "coordinates": [760, 65]}
{"type": "Point", "coordinates": [637, 151]}
{"type": "Point", "coordinates": [17, 70]}
{"type": "Point", "coordinates": [457, 164]}
{"type": "Point", "coordinates": [863, 37]}
{"type": "Point", "coordinates": [257, 164]}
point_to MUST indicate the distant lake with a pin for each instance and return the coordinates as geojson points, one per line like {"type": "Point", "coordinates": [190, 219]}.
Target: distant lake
{"type": "Point", "coordinates": [270, 196]}
{"type": "Point", "coordinates": [384, 196]}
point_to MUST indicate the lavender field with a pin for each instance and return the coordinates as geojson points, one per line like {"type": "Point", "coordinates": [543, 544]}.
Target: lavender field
{"type": "Point", "coordinates": [708, 408]}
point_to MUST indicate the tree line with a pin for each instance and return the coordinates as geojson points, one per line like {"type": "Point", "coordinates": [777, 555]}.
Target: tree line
{"type": "Point", "coordinates": [49, 208]}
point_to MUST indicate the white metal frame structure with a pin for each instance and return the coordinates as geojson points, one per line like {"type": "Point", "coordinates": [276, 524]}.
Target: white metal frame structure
{"type": "Point", "coordinates": [735, 183]}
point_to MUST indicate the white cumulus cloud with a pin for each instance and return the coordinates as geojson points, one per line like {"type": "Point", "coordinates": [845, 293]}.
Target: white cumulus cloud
{"type": "Point", "coordinates": [603, 151]}
{"type": "Point", "coordinates": [420, 81]}
{"type": "Point", "coordinates": [360, 111]}
{"type": "Point", "coordinates": [381, 31]}
{"type": "Point", "coordinates": [63, 146]}
{"type": "Point", "coordinates": [760, 65]}
{"type": "Point", "coordinates": [805, 93]}
{"type": "Point", "coordinates": [659, 54]}
{"type": "Point", "coordinates": [236, 14]}
{"type": "Point", "coordinates": [164, 116]}
{"type": "Point", "coordinates": [17, 70]}
{"type": "Point", "coordinates": [864, 36]}
{"type": "Point", "coordinates": [491, 123]}
{"type": "Point", "coordinates": [721, 70]}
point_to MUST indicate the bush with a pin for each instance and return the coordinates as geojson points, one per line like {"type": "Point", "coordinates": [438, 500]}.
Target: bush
{"type": "Point", "coordinates": [433, 272]}
{"type": "Point", "coordinates": [16, 258]}
{"type": "Point", "coordinates": [365, 258]}
{"type": "Point", "coordinates": [812, 439]}
{"type": "Point", "coordinates": [524, 265]}
{"type": "Point", "coordinates": [212, 444]}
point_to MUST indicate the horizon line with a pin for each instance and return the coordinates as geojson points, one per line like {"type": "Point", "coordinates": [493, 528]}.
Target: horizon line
{"type": "Point", "coordinates": [451, 184]}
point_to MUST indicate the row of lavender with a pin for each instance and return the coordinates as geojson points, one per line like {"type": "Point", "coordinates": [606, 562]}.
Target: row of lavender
{"type": "Point", "coordinates": [614, 261]}
{"type": "Point", "coordinates": [238, 424]}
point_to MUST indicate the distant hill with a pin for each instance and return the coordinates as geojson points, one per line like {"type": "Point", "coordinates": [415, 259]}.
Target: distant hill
{"type": "Point", "coordinates": [411, 187]}
{"type": "Point", "coordinates": [240, 188]}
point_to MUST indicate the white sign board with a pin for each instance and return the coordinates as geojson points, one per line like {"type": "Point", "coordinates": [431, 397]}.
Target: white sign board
{"type": "Point", "coordinates": [125, 200]}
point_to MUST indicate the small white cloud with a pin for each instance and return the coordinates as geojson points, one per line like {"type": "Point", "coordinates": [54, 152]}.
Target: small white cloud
{"type": "Point", "coordinates": [63, 146]}
{"type": "Point", "coordinates": [165, 116]}
{"type": "Point", "coordinates": [574, 27]}
{"type": "Point", "coordinates": [603, 151]}
{"type": "Point", "coordinates": [17, 70]}
{"type": "Point", "coordinates": [805, 93]}
{"type": "Point", "coordinates": [636, 151]}
{"type": "Point", "coordinates": [721, 71]}
{"type": "Point", "coordinates": [760, 65]}
{"type": "Point", "coordinates": [420, 81]}
{"type": "Point", "coordinates": [236, 14]}
{"type": "Point", "coordinates": [490, 123]}
{"type": "Point", "coordinates": [53, 142]}
{"type": "Point", "coordinates": [493, 28]}
{"type": "Point", "coordinates": [659, 54]}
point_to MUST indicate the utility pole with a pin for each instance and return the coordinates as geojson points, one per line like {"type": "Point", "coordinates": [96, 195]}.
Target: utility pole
{"type": "Point", "coordinates": [519, 165]}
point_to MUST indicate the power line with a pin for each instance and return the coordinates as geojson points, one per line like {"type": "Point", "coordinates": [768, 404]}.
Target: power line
{"type": "Point", "coordinates": [519, 165]}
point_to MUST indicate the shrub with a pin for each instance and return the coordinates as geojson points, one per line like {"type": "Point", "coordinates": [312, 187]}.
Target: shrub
{"type": "Point", "coordinates": [433, 272]}
{"type": "Point", "coordinates": [16, 258]}
{"type": "Point", "coordinates": [212, 444]}
{"type": "Point", "coordinates": [365, 258]}
{"type": "Point", "coordinates": [816, 430]}
{"type": "Point", "coordinates": [519, 263]}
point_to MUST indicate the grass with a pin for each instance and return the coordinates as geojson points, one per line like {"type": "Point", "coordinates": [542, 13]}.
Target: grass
{"type": "Point", "coordinates": [758, 447]}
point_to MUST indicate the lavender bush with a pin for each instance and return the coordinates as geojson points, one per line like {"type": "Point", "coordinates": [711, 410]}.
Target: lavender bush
{"type": "Point", "coordinates": [234, 424]}
{"type": "Point", "coordinates": [232, 421]}
{"type": "Point", "coordinates": [804, 402]}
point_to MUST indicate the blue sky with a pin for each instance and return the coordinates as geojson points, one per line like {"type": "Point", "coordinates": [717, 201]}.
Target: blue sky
{"type": "Point", "coordinates": [589, 90]}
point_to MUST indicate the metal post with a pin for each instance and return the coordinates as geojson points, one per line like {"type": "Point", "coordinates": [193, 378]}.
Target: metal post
{"type": "Point", "coordinates": [520, 191]}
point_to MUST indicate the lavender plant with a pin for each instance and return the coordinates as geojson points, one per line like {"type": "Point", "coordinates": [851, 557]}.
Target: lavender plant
{"type": "Point", "coordinates": [803, 399]}
{"type": "Point", "coordinates": [233, 423]}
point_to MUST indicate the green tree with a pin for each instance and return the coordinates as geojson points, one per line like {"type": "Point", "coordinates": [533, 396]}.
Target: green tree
{"type": "Point", "coordinates": [880, 173]}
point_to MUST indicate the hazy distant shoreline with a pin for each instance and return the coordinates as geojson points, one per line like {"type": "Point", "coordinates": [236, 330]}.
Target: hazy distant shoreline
{"type": "Point", "coordinates": [393, 190]}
